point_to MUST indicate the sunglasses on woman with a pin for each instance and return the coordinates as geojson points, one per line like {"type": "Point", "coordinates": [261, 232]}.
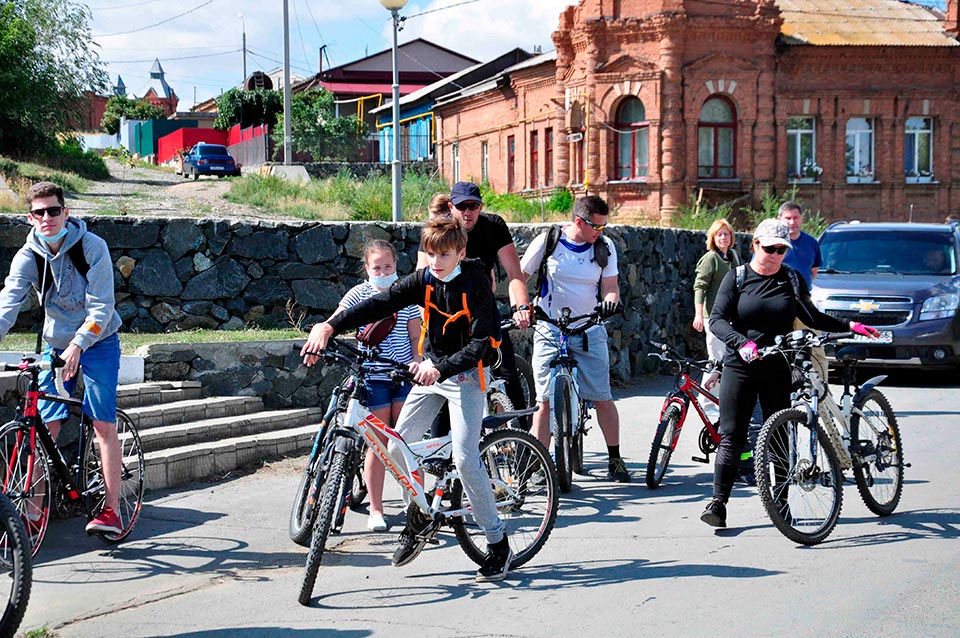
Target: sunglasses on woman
{"type": "Point", "coordinates": [780, 250]}
{"type": "Point", "coordinates": [462, 206]}
{"type": "Point", "coordinates": [51, 211]}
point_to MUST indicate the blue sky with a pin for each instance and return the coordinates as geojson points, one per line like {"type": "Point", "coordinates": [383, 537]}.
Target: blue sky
{"type": "Point", "coordinates": [198, 42]}
{"type": "Point", "coordinates": [202, 48]}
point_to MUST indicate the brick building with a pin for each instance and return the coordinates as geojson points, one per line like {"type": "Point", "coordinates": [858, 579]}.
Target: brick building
{"type": "Point", "coordinates": [652, 102]}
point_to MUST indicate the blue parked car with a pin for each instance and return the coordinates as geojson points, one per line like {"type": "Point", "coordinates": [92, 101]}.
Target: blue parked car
{"type": "Point", "coordinates": [209, 159]}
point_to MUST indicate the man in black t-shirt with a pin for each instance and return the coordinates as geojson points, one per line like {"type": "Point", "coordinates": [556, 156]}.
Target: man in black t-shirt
{"type": "Point", "coordinates": [489, 240]}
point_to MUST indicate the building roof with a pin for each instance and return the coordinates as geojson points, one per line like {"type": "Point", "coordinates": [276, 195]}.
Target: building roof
{"type": "Point", "coordinates": [862, 23]}
{"type": "Point", "coordinates": [156, 82]}
{"type": "Point", "coordinates": [498, 79]}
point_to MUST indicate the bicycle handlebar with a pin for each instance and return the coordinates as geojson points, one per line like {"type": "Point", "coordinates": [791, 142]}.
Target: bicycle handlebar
{"type": "Point", "coordinates": [800, 339]}
{"type": "Point", "coordinates": [363, 362]}
{"type": "Point", "coordinates": [33, 366]}
{"type": "Point", "coordinates": [668, 353]}
{"type": "Point", "coordinates": [594, 319]}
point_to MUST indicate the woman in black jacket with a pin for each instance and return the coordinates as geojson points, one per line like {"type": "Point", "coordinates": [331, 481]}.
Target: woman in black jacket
{"type": "Point", "coordinates": [747, 317]}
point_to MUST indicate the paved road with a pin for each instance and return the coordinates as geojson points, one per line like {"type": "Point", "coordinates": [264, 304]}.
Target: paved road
{"type": "Point", "coordinates": [214, 561]}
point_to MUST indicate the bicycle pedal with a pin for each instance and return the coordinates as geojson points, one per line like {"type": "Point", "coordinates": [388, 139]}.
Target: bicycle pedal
{"type": "Point", "coordinates": [700, 459]}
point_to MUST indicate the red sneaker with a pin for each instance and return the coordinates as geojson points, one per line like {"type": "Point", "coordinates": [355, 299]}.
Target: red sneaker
{"type": "Point", "coordinates": [106, 521]}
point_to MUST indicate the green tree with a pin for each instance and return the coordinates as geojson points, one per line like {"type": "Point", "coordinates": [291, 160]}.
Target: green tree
{"type": "Point", "coordinates": [248, 108]}
{"type": "Point", "coordinates": [315, 129]}
{"type": "Point", "coordinates": [47, 61]}
{"type": "Point", "coordinates": [119, 106]}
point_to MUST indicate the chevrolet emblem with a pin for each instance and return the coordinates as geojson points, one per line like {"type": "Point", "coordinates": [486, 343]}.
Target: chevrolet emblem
{"type": "Point", "coordinates": [866, 306]}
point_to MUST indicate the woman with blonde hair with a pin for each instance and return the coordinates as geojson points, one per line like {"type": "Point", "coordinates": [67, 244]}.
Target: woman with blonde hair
{"type": "Point", "coordinates": [439, 205]}
{"type": "Point", "coordinates": [719, 259]}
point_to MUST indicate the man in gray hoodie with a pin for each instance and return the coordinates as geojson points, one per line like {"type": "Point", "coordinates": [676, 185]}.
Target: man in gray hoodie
{"type": "Point", "coordinates": [80, 324]}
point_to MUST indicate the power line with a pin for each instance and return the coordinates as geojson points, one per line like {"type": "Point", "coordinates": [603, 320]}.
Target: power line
{"type": "Point", "coordinates": [123, 6]}
{"type": "Point", "coordinates": [181, 57]}
{"type": "Point", "coordinates": [317, 27]}
{"type": "Point", "coordinates": [296, 18]}
{"type": "Point", "coordinates": [155, 24]}
{"type": "Point", "coordinates": [423, 13]}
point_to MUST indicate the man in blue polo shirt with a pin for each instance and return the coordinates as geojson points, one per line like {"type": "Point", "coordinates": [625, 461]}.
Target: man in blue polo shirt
{"type": "Point", "coordinates": [804, 257]}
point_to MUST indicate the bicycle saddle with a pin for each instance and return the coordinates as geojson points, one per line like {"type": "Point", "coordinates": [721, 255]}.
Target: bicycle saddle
{"type": "Point", "coordinates": [494, 421]}
{"type": "Point", "coordinates": [850, 354]}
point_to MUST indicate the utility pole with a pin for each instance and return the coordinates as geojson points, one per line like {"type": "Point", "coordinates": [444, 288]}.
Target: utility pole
{"type": "Point", "coordinates": [287, 142]}
{"type": "Point", "coordinates": [243, 84]}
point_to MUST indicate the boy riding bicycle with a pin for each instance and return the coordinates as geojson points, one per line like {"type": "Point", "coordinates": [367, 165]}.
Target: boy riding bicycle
{"type": "Point", "coordinates": [73, 273]}
{"type": "Point", "coordinates": [574, 279]}
{"type": "Point", "coordinates": [458, 327]}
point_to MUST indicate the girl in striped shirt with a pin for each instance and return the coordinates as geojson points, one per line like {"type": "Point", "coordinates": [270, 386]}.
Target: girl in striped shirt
{"type": "Point", "coordinates": [385, 398]}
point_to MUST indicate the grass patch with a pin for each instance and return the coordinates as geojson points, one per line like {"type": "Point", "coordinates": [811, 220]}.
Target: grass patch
{"type": "Point", "coordinates": [20, 176]}
{"type": "Point", "coordinates": [343, 197]}
{"type": "Point", "coordinates": [42, 632]}
{"type": "Point", "coordinates": [131, 341]}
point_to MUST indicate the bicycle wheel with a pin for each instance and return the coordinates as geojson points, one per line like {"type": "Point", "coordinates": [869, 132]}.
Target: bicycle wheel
{"type": "Point", "coordinates": [798, 477]}
{"type": "Point", "coordinates": [358, 486]}
{"type": "Point", "coordinates": [878, 454]}
{"type": "Point", "coordinates": [526, 382]}
{"type": "Point", "coordinates": [332, 493]}
{"type": "Point", "coordinates": [561, 404]}
{"type": "Point", "coordinates": [576, 441]}
{"type": "Point", "coordinates": [304, 509]}
{"type": "Point", "coordinates": [131, 477]}
{"type": "Point", "coordinates": [30, 495]}
{"type": "Point", "coordinates": [664, 442]}
{"type": "Point", "coordinates": [524, 485]}
{"type": "Point", "coordinates": [16, 571]}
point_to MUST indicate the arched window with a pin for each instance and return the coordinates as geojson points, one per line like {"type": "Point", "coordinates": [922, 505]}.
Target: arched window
{"type": "Point", "coordinates": [716, 139]}
{"type": "Point", "coordinates": [632, 140]}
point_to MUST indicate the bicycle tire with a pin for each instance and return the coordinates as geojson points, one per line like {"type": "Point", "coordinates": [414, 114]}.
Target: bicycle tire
{"type": "Point", "coordinates": [331, 492]}
{"type": "Point", "coordinates": [16, 567]}
{"type": "Point", "coordinates": [304, 510]}
{"type": "Point", "coordinates": [576, 442]}
{"type": "Point", "coordinates": [878, 460]}
{"type": "Point", "coordinates": [32, 501]}
{"type": "Point", "coordinates": [560, 405]}
{"type": "Point", "coordinates": [805, 503]}
{"type": "Point", "coordinates": [354, 465]}
{"type": "Point", "coordinates": [358, 486]}
{"type": "Point", "coordinates": [663, 444]}
{"type": "Point", "coordinates": [131, 478]}
{"type": "Point", "coordinates": [513, 458]}
{"type": "Point", "coordinates": [525, 376]}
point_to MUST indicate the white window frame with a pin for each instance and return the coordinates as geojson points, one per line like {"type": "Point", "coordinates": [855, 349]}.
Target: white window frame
{"type": "Point", "coordinates": [455, 160]}
{"type": "Point", "coordinates": [796, 165]}
{"type": "Point", "coordinates": [484, 162]}
{"type": "Point", "coordinates": [864, 152]}
{"type": "Point", "coordinates": [917, 177]}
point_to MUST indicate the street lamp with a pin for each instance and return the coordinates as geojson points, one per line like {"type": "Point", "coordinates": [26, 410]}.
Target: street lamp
{"type": "Point", "coordinates": [394, 6]}
{"type": "Point", "coordinates": [243, 25]}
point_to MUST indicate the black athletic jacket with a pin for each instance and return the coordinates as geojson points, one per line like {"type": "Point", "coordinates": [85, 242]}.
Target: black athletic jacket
{"type": "Point", "coordinates": [465, 342]}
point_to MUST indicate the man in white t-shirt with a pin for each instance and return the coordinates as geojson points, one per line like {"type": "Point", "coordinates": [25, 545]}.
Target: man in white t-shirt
{"type": "Point", "coordinates": [575, 280]}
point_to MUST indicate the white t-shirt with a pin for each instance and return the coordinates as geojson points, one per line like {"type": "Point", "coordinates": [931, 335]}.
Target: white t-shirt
{"type": "Point", "coordinates": [573, 277]}
{"type": "Point", "coordinates": [397, 344]}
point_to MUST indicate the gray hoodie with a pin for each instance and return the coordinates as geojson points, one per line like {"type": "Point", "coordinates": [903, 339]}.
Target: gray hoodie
{"type": "Point", "coordinates": [78, 310]}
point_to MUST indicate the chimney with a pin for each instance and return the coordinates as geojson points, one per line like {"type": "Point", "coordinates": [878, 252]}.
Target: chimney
{"type": "Point", "coordinates": [950, 23]}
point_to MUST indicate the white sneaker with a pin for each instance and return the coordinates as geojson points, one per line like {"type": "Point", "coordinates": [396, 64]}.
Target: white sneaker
{"type": "Point", "coordinates": [375, 523]}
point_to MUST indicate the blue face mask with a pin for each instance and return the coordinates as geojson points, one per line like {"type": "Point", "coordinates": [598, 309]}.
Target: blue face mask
{"type": "Point", "coordinates": [384, 282]}
{"type": "Point", "coordinates": [55, 238]}
{"type": "Point", "coordinates": [453, 273]}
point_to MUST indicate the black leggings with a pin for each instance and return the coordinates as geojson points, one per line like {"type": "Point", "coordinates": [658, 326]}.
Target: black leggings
{"type": "Point", "coordinates": [740, 385]}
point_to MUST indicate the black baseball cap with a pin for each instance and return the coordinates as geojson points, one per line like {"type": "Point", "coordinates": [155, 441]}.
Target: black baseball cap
{"type": "Point", "coordinates": [465, 192]}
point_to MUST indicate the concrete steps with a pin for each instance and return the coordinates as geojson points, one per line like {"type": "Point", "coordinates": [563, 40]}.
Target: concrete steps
{"type": "Point", "coordinates": [186, 437]}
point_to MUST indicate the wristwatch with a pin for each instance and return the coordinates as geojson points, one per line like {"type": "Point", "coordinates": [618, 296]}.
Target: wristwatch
{"type": "Point", "coordinates": [520, 307]}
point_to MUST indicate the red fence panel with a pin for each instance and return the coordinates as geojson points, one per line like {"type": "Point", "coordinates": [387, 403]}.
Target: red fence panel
{"type": "Point", "coordinates": [183, 139]}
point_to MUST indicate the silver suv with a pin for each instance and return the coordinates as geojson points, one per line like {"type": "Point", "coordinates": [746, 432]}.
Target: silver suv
{"type": "Point", "coordinates": [903, 279]}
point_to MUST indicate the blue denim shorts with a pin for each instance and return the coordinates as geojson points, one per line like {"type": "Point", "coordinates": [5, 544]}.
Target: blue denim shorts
{"type": "Point", "coordinates": [100, 368]}
{"type": "Point", "coordinates": [382, 393]}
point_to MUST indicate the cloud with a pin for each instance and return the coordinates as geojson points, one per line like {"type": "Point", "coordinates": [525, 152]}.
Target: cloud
{"type": "Point", "coordinates": [351, 29]}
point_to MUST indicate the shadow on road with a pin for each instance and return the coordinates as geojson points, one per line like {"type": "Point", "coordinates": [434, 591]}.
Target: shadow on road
{"type": "Point", "coordinates": [275, 632]}
{"type": "Point", "coordinates": [902, 526]}
{"type": "Point", "coordinates": [546, 578]}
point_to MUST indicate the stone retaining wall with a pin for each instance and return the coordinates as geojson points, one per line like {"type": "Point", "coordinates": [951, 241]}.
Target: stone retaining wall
{"type": "Point", "coordinates": [180, 274]}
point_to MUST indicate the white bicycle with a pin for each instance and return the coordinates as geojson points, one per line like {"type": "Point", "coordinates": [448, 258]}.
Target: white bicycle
{"type": "Point", "coordinates": [803, 451]}
{"type": "Point", "coordinates": [522, 475]}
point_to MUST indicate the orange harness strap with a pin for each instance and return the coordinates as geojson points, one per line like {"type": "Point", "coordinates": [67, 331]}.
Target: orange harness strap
{"type": "Point", "coordinates": [464, 312]}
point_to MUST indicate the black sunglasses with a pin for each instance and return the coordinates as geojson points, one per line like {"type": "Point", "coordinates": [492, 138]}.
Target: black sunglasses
{"type": "Point", "coordinates": [780, 250]}
{"type": "Point", "coordinates": [51, 211]}
{"type": "Point", "coordinates": [462, 206]}
{"type": "Point", "coordinates": [597, 227]}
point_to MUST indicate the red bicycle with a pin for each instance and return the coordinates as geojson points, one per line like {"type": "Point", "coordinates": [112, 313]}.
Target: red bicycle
{"type": "Point", "coordinates": [674, 412]}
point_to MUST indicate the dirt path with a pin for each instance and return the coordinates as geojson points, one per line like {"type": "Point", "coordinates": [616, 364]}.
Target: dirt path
{"type": "Point", "coordinates": [154, 192]}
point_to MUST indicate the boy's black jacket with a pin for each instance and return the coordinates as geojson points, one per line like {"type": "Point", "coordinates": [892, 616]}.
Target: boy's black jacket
{"type": "Point", "coordinates": [463, 345]}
